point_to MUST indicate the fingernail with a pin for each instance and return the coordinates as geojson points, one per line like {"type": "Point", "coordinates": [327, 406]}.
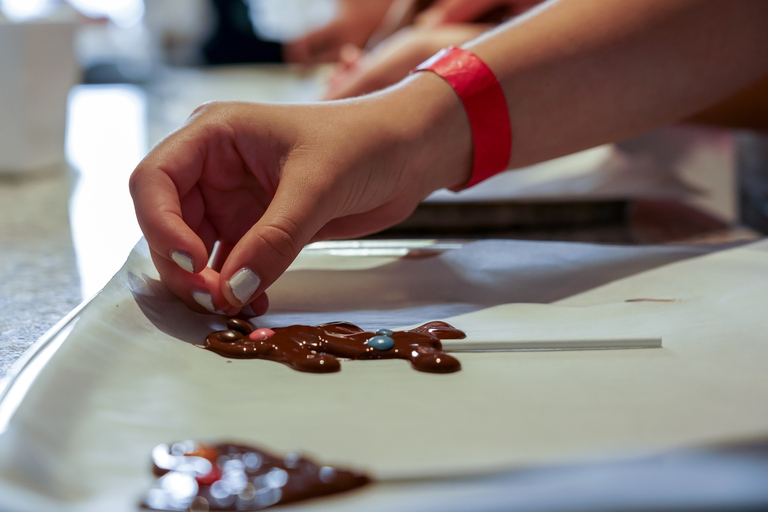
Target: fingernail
{"type": "Point", "coordinates": [204, 299]}
{"type": "Point", "coordinates": [183, 260]}
{"type": "Point", "coordinates": [243, 284]}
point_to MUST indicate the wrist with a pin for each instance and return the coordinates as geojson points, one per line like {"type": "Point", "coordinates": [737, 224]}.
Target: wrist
{"type": "Point", "coordinates": [485, 104]}
{"type": "Point", "coordinates": [436, 130]}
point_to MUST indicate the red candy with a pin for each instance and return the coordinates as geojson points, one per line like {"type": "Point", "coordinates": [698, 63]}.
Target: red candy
{"type": "Point", "coordinates": [261, 334]}
{"type": "Point", "coordinates": [213, 475]}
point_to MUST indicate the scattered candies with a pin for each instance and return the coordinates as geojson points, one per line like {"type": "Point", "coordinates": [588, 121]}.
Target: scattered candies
{"type": "Point", "coordinates": [384, 332]}
{"type": "Point", "coordinates": [229, 336]}
{"type": "Point", "coordinates": [261, 334]}
{"type": "Point", "coordinates": [381, 342]}
{"type": "Point", "coordinates": [227, 476]}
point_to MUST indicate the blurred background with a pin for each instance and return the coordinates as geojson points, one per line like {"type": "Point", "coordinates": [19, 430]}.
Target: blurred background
{"type": "Point", "coordinates": [123, 40]}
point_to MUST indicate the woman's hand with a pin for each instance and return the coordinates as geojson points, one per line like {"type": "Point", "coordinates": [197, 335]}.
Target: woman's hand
{"type": "Point", "coordinates": [360, 73]}
{"type": "Point", "coordinates": [355, 23]}
{"type": "Point", "coordinates": [264, 180]}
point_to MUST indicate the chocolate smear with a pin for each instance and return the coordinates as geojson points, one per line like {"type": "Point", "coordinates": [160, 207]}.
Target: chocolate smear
{"type": "Point", "coordinates": [226, 476]}
{"type": "Point", "coordinates": [316, 349]}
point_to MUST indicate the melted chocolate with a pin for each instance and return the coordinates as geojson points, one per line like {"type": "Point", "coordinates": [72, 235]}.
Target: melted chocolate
{"type": "Point", "coordinates": [226, 476]}
{"type": "Point", "coordinates": [316, 348]}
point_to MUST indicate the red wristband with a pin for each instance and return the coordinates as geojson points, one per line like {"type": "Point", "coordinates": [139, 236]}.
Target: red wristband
{"type": "Point", "coordinates": [485, 105]}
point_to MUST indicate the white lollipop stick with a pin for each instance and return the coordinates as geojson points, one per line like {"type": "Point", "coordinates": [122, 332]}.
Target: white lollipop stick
{"type": "Point", "coordinates": [470, 345]}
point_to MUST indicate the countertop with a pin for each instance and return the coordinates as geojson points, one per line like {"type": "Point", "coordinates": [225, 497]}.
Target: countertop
{"type": "Point", "coordinates": [39, 280]}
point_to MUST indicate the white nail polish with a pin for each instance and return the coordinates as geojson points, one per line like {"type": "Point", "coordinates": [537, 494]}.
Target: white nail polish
{"type": "Point", "coordinates": [204, 299]}
{"type": "Point", "coordinates": [183, 260]}
{"type": "Point", "coordinates": [243, 284]}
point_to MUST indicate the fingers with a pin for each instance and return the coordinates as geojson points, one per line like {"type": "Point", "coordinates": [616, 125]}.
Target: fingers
{"type": "Point", "coordinates": [354, 226]}
{"type": "Point", "coordinates": [355, 81]}
{"type": "Point", "coordinates": [322, 45]}
{"type": "Point", "coordinates": [349, 55]}
{"type": "Point", "coordinates": [259, 306]}
{"type": "Point", "coordinates": [200, 292]}
{"type": "Point", "coordinates": [389, 63]}
{"type": "Point", "coordinates": [158, 210]}
{"type": "Point", "coordinates": [268, 248]}
{"type": "Point", "coordinates": [343, 72]}
{"type": "Point", "coordinates": [395, 58]}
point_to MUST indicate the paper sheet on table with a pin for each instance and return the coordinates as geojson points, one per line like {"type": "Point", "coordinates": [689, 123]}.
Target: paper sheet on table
{"type": "Point", "coordinates": [602, 173]}
{"type": "Point", "coordinates": [113, 385]}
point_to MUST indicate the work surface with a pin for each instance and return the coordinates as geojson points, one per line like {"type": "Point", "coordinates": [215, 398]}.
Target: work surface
{"type": "Point", "coordinates": [124, 374]}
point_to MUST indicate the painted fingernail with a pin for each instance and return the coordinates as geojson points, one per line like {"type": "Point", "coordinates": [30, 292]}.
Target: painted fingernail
{"type": "Point", "coordinates": [204, 299]}
{"type": "Point", "coordinates": [183, 260]}
{"type": "Point", "coordinates": [243, 284]}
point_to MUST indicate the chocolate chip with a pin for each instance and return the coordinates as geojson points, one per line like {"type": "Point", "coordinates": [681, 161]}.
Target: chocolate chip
{"type": "Point", "coordinates": [229, 336]}
{"type": "Point", "coordinates": [239, 325]}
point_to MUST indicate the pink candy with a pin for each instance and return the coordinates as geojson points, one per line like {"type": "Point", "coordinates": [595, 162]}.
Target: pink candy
{"type": "Point", "coordinates": [261, 334]}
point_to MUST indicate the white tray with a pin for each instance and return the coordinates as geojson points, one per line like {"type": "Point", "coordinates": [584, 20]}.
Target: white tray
{"type": "Point", "coordinates": [81, 413]}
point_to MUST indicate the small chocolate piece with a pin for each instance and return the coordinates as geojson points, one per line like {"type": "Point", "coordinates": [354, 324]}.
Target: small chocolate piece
{"type": "Point", "coordinates": [261, 334]}
{"type": "Point", "coordinates": [316, 348]}
{"type": "Point", "coordinates": [227, 476]}
{"type": "Point", "coordinates": [229, 336]}
{"type": "Point", "coordinates": [239, 325]}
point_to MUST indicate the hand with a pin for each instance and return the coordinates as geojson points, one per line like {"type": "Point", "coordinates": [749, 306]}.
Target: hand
{"type": "Point", "coordinates": [267, 179]}
{"type": "Point", "coordinates": [356, 22]}
{"type": "Point", "coordinates": [359, 73]}
{"type": "Point", "coordinates": [464, 11]}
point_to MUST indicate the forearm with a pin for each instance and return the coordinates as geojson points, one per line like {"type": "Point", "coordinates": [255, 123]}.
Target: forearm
{"type": "Point", "coordinates": [578, 73]}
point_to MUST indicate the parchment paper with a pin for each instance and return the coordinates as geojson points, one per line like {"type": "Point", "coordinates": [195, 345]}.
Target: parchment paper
{"type": "Point", "coordinates": [601, 173]}
{"type": "Point", "coordinates": [124, 375]}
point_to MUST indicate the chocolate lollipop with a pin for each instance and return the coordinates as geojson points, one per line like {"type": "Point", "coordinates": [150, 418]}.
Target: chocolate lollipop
{"type": "Point", "coordinates": [316, 348]}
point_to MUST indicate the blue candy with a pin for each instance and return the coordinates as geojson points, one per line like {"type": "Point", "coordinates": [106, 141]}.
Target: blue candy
{"type": "Point", "coordinates": [381, 342]}
{"type": "Point", "coordinates": [385, 332]}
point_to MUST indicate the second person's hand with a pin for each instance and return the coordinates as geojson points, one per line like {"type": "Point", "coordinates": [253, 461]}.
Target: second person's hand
{"type": "Point", "coordinates": [361, 73]}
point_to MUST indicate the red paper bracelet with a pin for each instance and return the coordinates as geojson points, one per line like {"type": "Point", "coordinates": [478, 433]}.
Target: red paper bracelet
{"type": "Point", "coordinates": [485, 105]}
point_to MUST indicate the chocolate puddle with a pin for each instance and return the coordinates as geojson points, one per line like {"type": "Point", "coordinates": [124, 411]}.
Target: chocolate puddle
{"type": "Point", "coordinates": [226, 476]}
{"type": "Point", "coordinates": [316, 348]}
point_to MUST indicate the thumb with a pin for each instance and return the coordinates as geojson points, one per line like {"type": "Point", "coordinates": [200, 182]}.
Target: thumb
{"type": "Point", "coordinates": [270, 246]}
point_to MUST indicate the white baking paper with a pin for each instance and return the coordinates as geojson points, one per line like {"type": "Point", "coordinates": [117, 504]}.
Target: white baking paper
{"type": "Point", "coordinates": [80, 419]}
{"type": "Point", "coordinates": [602, 173]}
